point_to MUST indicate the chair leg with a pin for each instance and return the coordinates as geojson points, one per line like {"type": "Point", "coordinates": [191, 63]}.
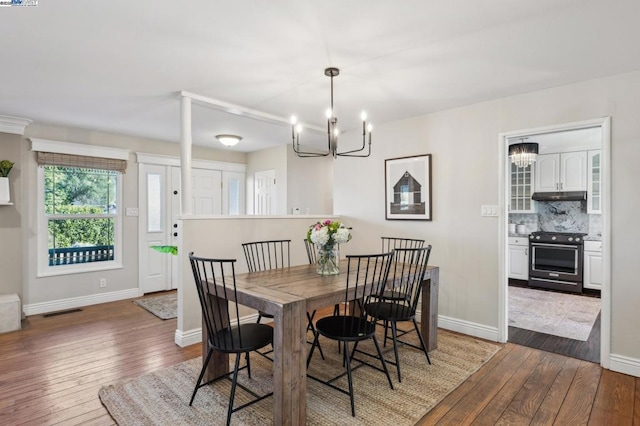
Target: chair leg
{"type": "Point", "coordinates": [386, 333]}
{"type": "Point", "coordinates": [204, 367]}
{"type": "Point", "coordinates": [348, 362]}
{"type": "Point", "coordinates": [312, 327]}
{"type": "Point", "coordinates": [394, 336]}
{"type": "Point", "coordinates": [313, 346]}
{"type": "Point", "coordinates": [424, 347]}
{"type": "Point", "coordinates": [259, 318]}
{"type": "Point", "coordinates": [384, 364]}
{"type": "Point", "coordinates": [248, 364]}
{"type": "Point", "coordinates": [234, 382]}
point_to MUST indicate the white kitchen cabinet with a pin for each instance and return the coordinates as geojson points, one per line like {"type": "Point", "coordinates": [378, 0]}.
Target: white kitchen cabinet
{"type": "Point", "coordinates": [519, 258]}
{"type": "Point", "coordinates": [592, 265]}
{"type": "Point", "coordinates": [594, 187]}
{"type": "Point", "coordinates": [566, 171]}
{"type": "Point", "coordinates": [521, 189]}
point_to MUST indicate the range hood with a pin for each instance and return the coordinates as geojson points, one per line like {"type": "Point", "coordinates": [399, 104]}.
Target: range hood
{"type": "Point", "coordinates": [560, 196]}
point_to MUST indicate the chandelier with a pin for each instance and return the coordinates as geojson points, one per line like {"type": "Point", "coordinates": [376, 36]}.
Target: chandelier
{"type": "Point", "coordinates": [524, 153]}
{"type": "Point", "coordinates": [332, 131]}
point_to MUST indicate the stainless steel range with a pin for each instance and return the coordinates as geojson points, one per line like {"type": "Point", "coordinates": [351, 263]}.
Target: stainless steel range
{"type": "Point", "coordinates": [556, 260]}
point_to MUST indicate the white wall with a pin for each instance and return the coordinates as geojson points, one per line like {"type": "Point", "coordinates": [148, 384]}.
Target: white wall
{"type": "Point", "coordinates": [464, 144]}
{"type": "Point", "coordinates": [310, 183]}
{"type": "Point", "coordinates": [11, 247]}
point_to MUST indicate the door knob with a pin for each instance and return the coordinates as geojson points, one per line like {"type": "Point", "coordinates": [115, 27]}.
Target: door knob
{"type": "Point", "coordinates": [175, 192]}
{"type": "Point", "coordinates": [175, 234]}
{"type": "Point", "coordinates": [175, 225]}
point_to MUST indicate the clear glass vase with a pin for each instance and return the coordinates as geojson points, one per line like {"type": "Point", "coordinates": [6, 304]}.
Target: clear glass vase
{"type": "Point", "coordinates": [327, 262]}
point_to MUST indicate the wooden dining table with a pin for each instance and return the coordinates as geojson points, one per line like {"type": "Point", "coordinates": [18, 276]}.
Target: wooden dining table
{"type": "Point", "coordinates": [288, 294]}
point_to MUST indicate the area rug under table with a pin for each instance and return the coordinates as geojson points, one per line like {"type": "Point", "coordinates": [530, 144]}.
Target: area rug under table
{"type": "Point", "coordinates": [164, 307]}
{"type": "Point", "coordinates": [162, 398]}
{"type": "Point", "coordinates": [558, 314]}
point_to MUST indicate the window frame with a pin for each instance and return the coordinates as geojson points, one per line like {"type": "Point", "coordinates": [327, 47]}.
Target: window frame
{"type": "Point", "coordinates": [44, 270]}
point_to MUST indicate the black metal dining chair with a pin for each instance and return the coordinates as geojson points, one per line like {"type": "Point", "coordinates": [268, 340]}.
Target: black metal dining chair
{"type": "Point", "coordinates": [391, 243]}
{"type": "Point", "coordinates": [266, 255]}
{"type": "Point", "coordinates": [366, 275]}
{"type": "Point", "coordinates": [404, 284]}
{"type": "Point", "coordinates": [215, 279]}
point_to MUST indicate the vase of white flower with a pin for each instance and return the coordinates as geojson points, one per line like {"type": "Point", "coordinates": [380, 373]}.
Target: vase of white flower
{"type": "Point", "coordinates": [326, 236]}
{"type": "Point", "coordinates": [327, 262]}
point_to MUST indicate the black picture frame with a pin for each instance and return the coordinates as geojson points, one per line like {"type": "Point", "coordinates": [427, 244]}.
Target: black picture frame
{"type": "Point", "coordinates": [408, 188]}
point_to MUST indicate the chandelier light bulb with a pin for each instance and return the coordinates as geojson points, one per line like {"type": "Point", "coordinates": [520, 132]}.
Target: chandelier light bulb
{"type": "Point", "coordinates": [299, 128]}
{"type": "Point", "coordinates": [369, 128]}
{"type": "Point", "coordinates": [328, 113]}
{"type": "Point", "coordinates": [336, 132]}
{"type": "Point", "coordinates": [294, 120]}
{"type": "Point", "coordinates": [363, 116]}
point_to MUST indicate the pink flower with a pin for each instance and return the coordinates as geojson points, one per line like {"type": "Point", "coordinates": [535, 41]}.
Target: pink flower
{"type": "Point", "coordinates": [327, 222]}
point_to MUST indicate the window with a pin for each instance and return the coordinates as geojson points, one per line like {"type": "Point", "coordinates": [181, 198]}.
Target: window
{"type": "Point", "coordinates": [81, 212]}
{"type": "Point", "coordinates": [79, 197]}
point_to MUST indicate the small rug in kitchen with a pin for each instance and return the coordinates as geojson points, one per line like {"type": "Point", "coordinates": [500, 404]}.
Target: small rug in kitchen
{"type": "Point", "coordinates": [164, 307]}
{"type": "Point", "coordinates": [558, 314]}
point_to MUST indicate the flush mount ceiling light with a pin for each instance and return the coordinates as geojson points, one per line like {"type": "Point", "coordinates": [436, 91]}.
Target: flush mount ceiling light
{"type": "Point", "coordinates": [524, 153]}
{"type": "Point", "coordinates": [332, 131]}
{"type": "Point", "coordinates": [228, 140]}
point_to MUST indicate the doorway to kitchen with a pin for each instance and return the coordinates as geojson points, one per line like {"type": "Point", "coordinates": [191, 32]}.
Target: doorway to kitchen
{"type": "Point", "coordinates": [555, 287]}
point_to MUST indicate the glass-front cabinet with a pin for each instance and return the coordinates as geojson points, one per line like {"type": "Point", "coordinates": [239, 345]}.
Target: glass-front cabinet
{"type": "Point", "coordinates": [594, 190]}
{"type": "Point", "coordinates": [521, 189]}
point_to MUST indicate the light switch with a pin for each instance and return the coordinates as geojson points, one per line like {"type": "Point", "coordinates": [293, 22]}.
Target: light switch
{"type": "Point", "coordinates": [489, 211]}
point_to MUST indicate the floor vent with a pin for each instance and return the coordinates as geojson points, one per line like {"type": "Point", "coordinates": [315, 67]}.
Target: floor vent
{"type": "Point", "coordinates": [55, 314]}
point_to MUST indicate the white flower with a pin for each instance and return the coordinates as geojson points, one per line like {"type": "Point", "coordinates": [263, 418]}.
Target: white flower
{"type": "Point", "coordinates": [341, 236]}
{"type": "Point", "coordinates": [320, 237]}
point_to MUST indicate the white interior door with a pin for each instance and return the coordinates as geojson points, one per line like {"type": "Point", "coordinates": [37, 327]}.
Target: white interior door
{"type": "Point", "coordinates": [206, 190]}
{"type": "Point", "coordinates": [265, 192]}
{"type": "Point", "coordinates": [154, 206]}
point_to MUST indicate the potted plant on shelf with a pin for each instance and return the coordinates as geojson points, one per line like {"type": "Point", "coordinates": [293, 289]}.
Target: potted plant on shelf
{"type": "Point", "coordinates": [5, 168]}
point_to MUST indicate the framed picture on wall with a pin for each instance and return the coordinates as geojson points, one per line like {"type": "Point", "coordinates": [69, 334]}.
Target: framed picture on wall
{"type": "Point", "coordinates": [408, 188]}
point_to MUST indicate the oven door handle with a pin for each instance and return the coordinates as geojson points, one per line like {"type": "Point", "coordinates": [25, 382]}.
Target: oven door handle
{"type": "Point", "coordinates": [573, 246]}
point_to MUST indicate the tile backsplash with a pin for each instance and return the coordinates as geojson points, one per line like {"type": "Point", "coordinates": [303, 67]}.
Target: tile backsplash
{"type": "Point", "coordinates": [563, 216]}
{"type": "Point", "coordinates": [560, 216]}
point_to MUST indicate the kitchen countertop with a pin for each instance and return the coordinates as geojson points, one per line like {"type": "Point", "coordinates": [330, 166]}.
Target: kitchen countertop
{"type": "Point", "coordinates": [511, 234]}
{"type": "Point", "coordinates": [592, 238]}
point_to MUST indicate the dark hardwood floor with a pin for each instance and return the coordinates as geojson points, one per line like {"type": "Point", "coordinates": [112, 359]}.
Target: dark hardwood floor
{"type": "Point", "coordinates": [51, 371]}
{"type": "Point", "coordinates": [585, 350]}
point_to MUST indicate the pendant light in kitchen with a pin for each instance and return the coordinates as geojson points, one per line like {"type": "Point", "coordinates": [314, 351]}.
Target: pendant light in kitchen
{"type": "Point", "coordinates": [524, 153]}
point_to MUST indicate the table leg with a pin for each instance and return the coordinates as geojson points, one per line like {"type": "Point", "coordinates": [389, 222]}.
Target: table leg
{"type": "Point", "coordinates": [289, 365]}
{"type": "Point", "coordinates": [219, 363]}
{"type": "Point", "coordinates": [429, 314]}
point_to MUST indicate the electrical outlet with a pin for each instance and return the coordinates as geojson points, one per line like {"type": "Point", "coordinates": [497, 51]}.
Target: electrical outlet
{"type": "Point", "coordinates": [103, 282]}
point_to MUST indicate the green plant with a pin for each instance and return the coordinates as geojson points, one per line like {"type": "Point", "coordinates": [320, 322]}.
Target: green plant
{"type": "Point", "coordinates": [5, 167]}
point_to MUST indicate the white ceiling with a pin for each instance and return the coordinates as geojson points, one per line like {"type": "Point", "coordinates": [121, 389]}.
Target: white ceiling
{"type": "Point", "coordinates": [118, 66]}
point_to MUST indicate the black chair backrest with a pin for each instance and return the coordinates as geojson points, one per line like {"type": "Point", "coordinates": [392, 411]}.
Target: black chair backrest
{"type": "Point", "coordinates": [366, 277]}
{"type": "Point", "coordinates": [215, 279]}
{"type": "Point", "coordinates": [311, 251]}
{"type": "Point", "coordinates": [406, 274]}
{"type": "Point", "coordinates": [265, 255]}
{"type": "Point", "coordinates": [392, 243]}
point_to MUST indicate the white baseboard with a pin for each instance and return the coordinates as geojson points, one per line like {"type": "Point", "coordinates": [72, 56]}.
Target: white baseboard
{"type": "Point", "coordinates": [468, 327]}
{"type": "Point", "coordinates": [78, 302]}
{"type": "Point", "coordinates": [189, 337]}
{"type": "Point", "coordinates": [624, 364]}
{"type": "Point", "coordinates": [193, 336]}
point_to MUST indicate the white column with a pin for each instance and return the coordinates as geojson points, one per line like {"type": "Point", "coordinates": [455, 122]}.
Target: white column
{"type": "Point", "coordinates": [185, 156]}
